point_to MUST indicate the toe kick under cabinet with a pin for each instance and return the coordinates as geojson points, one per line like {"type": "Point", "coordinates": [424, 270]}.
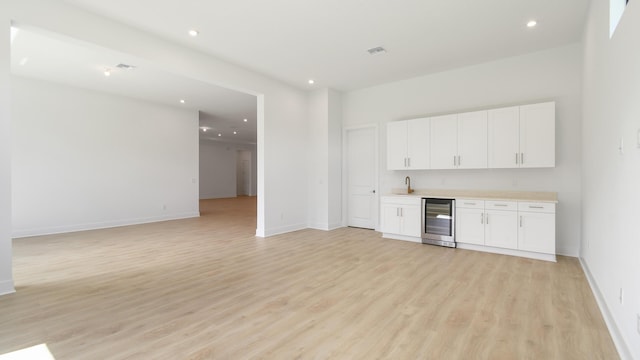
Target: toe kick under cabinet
{"type": "Point", "coordinates": [518, 228]}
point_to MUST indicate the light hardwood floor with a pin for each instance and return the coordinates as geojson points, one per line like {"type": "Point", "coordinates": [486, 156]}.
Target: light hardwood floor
{"type": "Point", "coordinates": [207, 288]}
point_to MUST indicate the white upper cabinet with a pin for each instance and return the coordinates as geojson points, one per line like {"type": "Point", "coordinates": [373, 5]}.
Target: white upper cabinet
{"type": "Point", "coordinates": [472, 140]}
{"type": "Point", "coordinates": [522, 136]}
{"type": "Point", "coordinates": [408, 144]}
{"type": "Point", "coordinates": [504, 132]}
{"type": "Point", "coordinates": [444, 142]}
{"type": "Point", "coordinates": [537, 135]}
{"type": "Point", "coordinates": [511, 137]}
{"type": "Point", "coordinates": [397, 145]}
{"type": "Point", "coordinates": [459, 141]}
{"type": "Point", "coordinates": [418, 143]}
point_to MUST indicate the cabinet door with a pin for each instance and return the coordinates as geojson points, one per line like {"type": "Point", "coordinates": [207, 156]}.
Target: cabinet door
{"type": "Point", "coordinates": [503, 140]}
{"type": "Point", "coordinates": [444, 141]}
{"type": "Point", "coordinates": [537, 135]}
{"type": "Point", "coordinates": [396, 145]}
{"type": "Point", "coordinates": [411, 219]}
{"type": "Point", "coordinates": [472, 140]}
{"type": "Point", "coordinates": [390, 219]}
{"type": "Point", "coordinates": [537, 232]}
{"type": "Point", "coordinates": [418, 139]}
{"type": "Point", "coordinates": [501, 229]}
{"type": "Point", "coordinates": [470, 226]}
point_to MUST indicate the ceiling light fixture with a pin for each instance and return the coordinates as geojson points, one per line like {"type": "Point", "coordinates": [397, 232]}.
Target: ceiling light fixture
{"type": "Point", "coordinates": [182, 101]}
{"type": "Point", "coordinates": [311, 82]}
{"type": "Point", "coordinates": [245, 120]}
{"type": "Point", "coordinates": [235, 133]}
{"type": "Point", "coordinates": [193, 32]}
{"type": "Point", "coordinates": [219, 134]}
{"type": "Point", "coordinates": [532, 23]}
{"type": "Point", "coordinates": [107, 72]}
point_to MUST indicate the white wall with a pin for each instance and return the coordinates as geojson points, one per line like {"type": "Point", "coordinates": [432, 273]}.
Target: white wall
{"type": "Point", "coordinates": [548, 75]}
{"type": "Point", "coordinates": [218, 168]}
{"type": "Point", "coordinates": [6, 277]}
{"type": "Point", "coordinates": [611, 192]}
{"type": "Point", "coordinates": [325, 160]}
{"type": "Point", "coordinates": [282, 125]}
{"type": "Point", "coordinates": [84, 160]}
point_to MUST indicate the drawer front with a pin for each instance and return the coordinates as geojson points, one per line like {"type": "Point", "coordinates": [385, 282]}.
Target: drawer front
{"type": "Point", "coordinates": [501, 205]}
{"type": "Point", "coordinates": [470, 204]}
{"type": "Point", "coordinates": [401, 200]}
{"type": "Point", "coordinates": [537, 207]}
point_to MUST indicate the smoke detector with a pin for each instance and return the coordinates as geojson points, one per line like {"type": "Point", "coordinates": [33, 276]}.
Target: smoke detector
{"type": "Point", "coordinates": [377, 50]}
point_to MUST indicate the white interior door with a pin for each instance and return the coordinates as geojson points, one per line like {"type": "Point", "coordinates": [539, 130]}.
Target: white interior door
{"type": "Point", "coordinates": [361, 175]}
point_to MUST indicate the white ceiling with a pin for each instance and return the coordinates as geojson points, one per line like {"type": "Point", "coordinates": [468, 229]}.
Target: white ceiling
{"type": "Point", "coordinates": [294, 40]}
{"type": "Point", "coordinates": [52, 57]}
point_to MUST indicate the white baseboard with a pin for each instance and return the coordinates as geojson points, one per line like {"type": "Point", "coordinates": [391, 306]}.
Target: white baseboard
{"type": "Point", "coordinates": [402, 237]}
{"type": "Point", "coordinates": [20, 233]}
{"type": "Point", "coordinates": [618, 340]}
{"type": "Point", "coordinates": [284, 229]}
{"type": "Point", "coordinates": [6, 287]}
{"type": "Point", "coordinates": [520, 253]}
{"type": "Point", "coordinates": [569, 253]}
{"type": "Point", "coordinates": [325, 226]}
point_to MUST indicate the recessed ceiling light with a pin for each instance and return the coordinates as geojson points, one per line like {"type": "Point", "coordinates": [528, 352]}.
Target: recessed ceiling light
{"type": "Point", "coordinates": [311, 82]}
{"type": "Point", "coordinates": [219, 134]}
{"type": "Point", "coordinates": [235, 133]}
{"type": "Point", "coordinates": [204, 129]}
{"type": "Point", "coordinates": [245, 120]}
{"type": "Point", "coordinates": [193, 32]}
{"type": "Point", "coordinates": [107, 72]}
{"type": "Point", "coordinates": [532, 23]}
{"type": "Point", "coordinates": [182, 101]}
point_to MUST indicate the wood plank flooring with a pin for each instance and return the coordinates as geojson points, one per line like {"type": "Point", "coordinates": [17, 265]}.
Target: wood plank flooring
{"type": "Point", "coordinates": [207, 288]}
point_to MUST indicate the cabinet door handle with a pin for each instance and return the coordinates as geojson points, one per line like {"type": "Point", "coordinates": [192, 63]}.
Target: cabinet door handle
{"type": "Point", "coordinates": [487, 219]}
{"type": "Point", "coordinates": [522, 158]}
{"type": "Point", "coordinates": [468, 203]}
{"type": "Point", "coordinates": [536, 207]}
{"type": "Point", "coordinates": [458, 160]}
{"type": "Point", "coordinates": [517, 159]}
{"type": "Point", "coordinates": [481, 218]}
{"type": "Point", "coordinates": [499, 204]}
{"type": "Point", "coordinates": [454, 161]}
{"type": "Point", "coordinates": [408, 162]}
{"type": "Point", "coordinates": [401, 212]}
{"type": "Point", "coordinates": [520, 220]}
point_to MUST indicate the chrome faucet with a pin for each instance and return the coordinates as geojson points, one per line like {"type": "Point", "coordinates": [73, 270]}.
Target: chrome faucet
{"type": "Point", "coordinates": [407, 181]}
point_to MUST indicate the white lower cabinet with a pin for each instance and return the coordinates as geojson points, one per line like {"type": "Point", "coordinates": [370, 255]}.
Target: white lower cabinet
{"type": "Point", "coordinates": [501, 229]}
{"type": "Point", "coordinates": [401, 215]}
{"type": "Point", "coordinates": [519, 228]}
{"type": "Point", "coordinates": [537, 227]}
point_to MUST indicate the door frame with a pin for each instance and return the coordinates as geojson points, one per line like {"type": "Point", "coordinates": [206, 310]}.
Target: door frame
{"type": "Point", "coordinates": [345, 166]}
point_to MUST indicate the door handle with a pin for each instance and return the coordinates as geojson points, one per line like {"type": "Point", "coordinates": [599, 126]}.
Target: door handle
{"type": "Point", "coordinates": [517, 159]}
{"type": "Point", "coordinates": [522, 158]}
{"type": "Point", "coordinates": [487, 218]}
{"type": "Point", "coordinates": [520, 220]}
{"type": "Point", "coordinates": [454, 161]}
{"type": "Point", "coordinates": [481, 218]}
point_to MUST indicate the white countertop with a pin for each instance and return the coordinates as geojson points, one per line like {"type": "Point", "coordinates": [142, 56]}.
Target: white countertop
{"type": "Point", "coordinates": [537, 196]}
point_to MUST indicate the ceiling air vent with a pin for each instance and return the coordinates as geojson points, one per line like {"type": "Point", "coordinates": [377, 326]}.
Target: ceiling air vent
{"type": "Point", "coordinates": [126, 67]}
{"type": "Point", "coordinates": [377, 50]}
